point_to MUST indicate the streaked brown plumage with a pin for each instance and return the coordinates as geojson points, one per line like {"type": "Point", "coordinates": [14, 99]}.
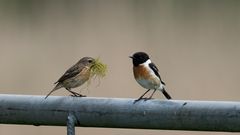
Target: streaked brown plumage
{"type": "Point", "coordinates": [75, 76]}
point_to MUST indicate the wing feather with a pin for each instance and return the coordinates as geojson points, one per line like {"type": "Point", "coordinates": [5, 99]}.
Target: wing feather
{"type": "Point", "coordinates": [71, 72]}
{"type": "Point", "coordinates": [155, 70]}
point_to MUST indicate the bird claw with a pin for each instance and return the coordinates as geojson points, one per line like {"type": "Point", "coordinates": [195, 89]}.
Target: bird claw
{"type": "Point", "coordinates": [77, 95]}
{"type": "Point", "coordinates": [80, 95]}
{"type": "Point", "coordinates": [144, 99]}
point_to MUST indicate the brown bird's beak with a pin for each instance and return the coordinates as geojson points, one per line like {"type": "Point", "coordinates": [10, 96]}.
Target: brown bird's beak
{"type": "Point", "coordinates": [131, 57]}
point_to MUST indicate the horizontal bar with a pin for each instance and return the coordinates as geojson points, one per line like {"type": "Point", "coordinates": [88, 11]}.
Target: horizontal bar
{"type": "Point", "coordinates": [121, 113]}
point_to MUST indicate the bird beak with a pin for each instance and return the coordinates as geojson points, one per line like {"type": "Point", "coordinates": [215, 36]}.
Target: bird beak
{"type": "Point", "coordinates": [131, 57]}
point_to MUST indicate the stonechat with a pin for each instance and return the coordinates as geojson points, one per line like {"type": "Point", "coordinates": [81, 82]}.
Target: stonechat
{"type": "Point", "coordinates": [147, 75]}
{"type": "Point", "coordinates": [75, 76]}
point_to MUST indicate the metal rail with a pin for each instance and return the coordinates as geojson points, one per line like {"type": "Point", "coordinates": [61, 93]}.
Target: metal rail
{"type": "Point", "coordinates": [120, 113]}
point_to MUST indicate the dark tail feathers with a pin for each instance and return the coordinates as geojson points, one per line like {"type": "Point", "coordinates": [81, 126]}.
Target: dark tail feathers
{"type": "Point", "coordinates": [166, 94]}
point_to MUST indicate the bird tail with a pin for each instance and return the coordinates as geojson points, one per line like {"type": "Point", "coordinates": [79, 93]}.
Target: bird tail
{"type": "Point", "coordinates": [166, 94]}
{"type": "Point", "coordinates": [162, 88]}
{"type": "Point", "coordinates": [58, 86]}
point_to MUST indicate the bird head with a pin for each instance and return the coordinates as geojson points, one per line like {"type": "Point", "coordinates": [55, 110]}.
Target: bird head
{"type": "Point", "coordinates": [139, 58]}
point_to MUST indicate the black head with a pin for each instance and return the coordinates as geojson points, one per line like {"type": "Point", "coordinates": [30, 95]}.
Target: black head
{"type": "Point", "coordinates": [139, 58]}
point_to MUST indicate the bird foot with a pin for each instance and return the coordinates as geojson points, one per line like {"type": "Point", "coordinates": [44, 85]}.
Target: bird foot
{"type": "Point", "coordinates": [144, 99]}
{"type": "Point", "coordinates": [77, 95]}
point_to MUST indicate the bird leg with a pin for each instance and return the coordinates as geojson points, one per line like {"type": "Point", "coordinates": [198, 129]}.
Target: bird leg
{"type": "Point", "coordinates": [145, 99]}
{"type": "Point", "coordinates": [140, 98]}
{"type": "Point", "coordinates": [75, 94]}
{"type": "Point", "coordinates": [152, 94]}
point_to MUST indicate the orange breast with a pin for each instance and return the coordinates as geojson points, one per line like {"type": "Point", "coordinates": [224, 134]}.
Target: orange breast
{"type": "Point", "coordinates": [146, 79]}
{"type": "Point", "coordinates": [140, 72]}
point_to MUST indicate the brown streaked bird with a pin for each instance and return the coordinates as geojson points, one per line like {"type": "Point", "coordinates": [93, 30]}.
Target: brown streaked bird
{"type": "Point", "coordinates": [146, 74]}
{"type": "Point", "coordinates": [75, 76]}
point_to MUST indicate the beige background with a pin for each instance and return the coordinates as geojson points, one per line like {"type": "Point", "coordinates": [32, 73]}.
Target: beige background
{"type": "Point", "coordinates": [194, 43]}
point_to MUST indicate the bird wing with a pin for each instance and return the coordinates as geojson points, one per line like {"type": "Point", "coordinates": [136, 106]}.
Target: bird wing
{"type": "Point", "coordinates": [71, 72]}
{"type": "Point", "coordinates": [155, 70]}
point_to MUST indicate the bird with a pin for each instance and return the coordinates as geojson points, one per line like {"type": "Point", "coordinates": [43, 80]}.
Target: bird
{"type": "Point", "coordinates": [75, 76]}
{"type": "Point", "coordinates": [147, 75]}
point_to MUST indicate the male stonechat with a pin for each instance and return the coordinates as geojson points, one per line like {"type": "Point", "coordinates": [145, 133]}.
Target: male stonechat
{"type": "Point", "coordinates": [146, 74]}
{"type": "Point", "coordinates": [75, 76]}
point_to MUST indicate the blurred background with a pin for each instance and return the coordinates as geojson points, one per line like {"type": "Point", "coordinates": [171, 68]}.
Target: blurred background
{"type": "Point", "coordinates": [195, 45]}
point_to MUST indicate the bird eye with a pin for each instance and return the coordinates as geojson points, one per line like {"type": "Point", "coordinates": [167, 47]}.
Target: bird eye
{"type": "Point", "coordinates": [90, 61]}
